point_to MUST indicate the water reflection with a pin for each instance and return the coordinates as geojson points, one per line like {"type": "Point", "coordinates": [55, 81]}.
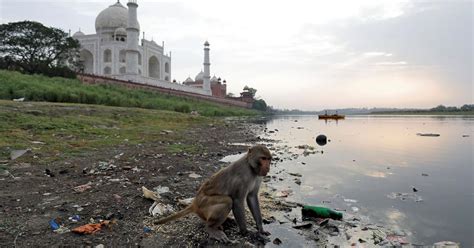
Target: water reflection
{"type": "Point", "coordinates": [371, 157]}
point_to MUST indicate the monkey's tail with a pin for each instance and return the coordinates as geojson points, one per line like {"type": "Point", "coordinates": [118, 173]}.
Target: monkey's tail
{"type": "Point", "coordinates": [187, 210]}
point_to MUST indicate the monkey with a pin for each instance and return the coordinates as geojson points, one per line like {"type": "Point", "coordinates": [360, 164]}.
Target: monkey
{"type": "Point", "coordinates": [227, 190]}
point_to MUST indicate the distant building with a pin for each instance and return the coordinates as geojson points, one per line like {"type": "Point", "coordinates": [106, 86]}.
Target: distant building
{"type": "Point", "coordinates": [218, 88]}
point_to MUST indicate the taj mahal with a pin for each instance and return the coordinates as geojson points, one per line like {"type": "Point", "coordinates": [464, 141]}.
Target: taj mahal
{"type": "Point", "coordinates": [117, 51]}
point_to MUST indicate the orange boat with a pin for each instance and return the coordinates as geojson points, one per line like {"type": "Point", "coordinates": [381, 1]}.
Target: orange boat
{"type": "Point", "coordinates": [331, 117]}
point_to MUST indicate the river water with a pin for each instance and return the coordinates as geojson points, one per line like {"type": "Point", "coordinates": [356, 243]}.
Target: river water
{"type": "Point", "coordinates": [373, 165]}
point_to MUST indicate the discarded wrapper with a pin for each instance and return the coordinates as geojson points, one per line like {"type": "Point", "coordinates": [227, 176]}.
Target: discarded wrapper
{"type": "Point", "coordinates": [82, 188]}
{"type": "Point", "coordinates": [150, 194]}
{"type": "Point", "coordinates": [91, 228]}
{"type": "Point", "coordinates": [158, 209]}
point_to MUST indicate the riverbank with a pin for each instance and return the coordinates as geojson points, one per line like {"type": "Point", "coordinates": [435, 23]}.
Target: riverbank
{"type": "Point", "coordinates": [79, 164]}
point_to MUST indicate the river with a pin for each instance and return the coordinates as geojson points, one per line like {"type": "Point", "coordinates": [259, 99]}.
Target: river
{"type": "Point", "coordinates": [378, 167]}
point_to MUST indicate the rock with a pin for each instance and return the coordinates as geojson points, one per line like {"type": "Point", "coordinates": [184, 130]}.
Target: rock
{"type": "Point", "coordinates": [424, 174]}
{"type": "Point", "coordinates": [303, 226]}
{"type": "Point", "coordinates": [17, 153]}
{"type": "Point", "coordinates": [277, 241]}
{"type": "Point", "coordinates": [48, 173]}
{"type": "Point", "coordinates": [295, 174]}
{"type": "Point", "coordinates": [194, 175]}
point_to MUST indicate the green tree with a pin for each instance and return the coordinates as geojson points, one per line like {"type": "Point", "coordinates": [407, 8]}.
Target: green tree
{"type": "Point", "coordinates": [467, 107]}
{"type": "Point", "coordinates": [260, 104]}
{"type": "Point", "coordinates": [251, 90]}
{"type": "Point", "coordinates": [439, 108]}
{"type": "Point", "coordinates": [34, 48]}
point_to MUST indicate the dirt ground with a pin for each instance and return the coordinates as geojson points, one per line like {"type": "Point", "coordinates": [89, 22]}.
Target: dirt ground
{"type": "Point", "coordinates": [33, 195]}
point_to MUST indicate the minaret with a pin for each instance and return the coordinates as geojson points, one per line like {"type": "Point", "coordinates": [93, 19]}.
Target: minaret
{"type": "Point", "coordinates": [206, 86]}
{"type": "Point", "coordinates": [133, 31]}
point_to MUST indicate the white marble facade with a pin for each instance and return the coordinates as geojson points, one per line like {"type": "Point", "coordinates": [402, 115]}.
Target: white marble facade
{"type": "Point", "coordinates": [112, 50]}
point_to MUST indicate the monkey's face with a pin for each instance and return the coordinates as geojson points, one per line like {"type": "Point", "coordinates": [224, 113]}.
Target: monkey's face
{"type": "Point", "coordinates": [264, 165]}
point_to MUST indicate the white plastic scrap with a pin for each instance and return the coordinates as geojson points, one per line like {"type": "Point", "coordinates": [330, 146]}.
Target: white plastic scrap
{"type": "Point", "coordinates": [158, 209]}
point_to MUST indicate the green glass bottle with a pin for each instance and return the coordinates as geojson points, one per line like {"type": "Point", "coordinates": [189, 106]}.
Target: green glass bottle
{"type": "Point", "coordinates": [320, 212]}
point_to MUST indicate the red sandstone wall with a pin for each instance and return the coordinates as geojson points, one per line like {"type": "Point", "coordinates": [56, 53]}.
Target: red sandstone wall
{"type": "Point", "coordinates": [93, 79]}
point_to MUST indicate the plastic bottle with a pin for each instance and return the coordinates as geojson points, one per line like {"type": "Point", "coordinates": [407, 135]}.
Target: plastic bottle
{"type": "Point", "coordinates": [320, 212]}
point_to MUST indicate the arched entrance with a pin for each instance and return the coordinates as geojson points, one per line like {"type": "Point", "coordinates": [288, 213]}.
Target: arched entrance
{"type": "Point", "coordinates": [87, 61]}
{"type": "Point", "coordinates": [153, 67]}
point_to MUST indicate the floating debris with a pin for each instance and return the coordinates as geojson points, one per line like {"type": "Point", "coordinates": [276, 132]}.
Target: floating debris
{"type": "Point", "coordinates": [428, 134]}
{"type": "Point", "coordinates": [405, 196]}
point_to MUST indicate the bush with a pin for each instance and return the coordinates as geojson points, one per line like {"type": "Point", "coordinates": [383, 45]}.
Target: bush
{"type": "Point", "coordinates": [184, 108]}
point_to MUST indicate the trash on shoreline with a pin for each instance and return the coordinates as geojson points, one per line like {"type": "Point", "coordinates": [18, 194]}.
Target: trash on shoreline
{"type": "Point", "coordinates": [303, 226]}
{"type": "Point", "coordinates": [277, 241]}
{"type": "Point", "coordinates": [161, 189]}
{"type": "Point", "coordinates": [91, 228]}
{"type": "Point", "coordinates": [17, 153]}
{"type": "Point", "coordinates": [446, 244]}
{"type": "Point", "coordinates": [194, 175]}
{"type": "Point", "coordinates": [350, 200]}
{"type": "Point", "coordinates": [320, 212]}
{"type": "Point", "coordinates": [19, 99]}
{"type": "Point", "coordinates": [75, 218]}
{"type": "Point", "coordinates": [53, 224]}
{"type": "Point", "coordinates": [148, 194]}
{"type": "Point", "coordinates": [158, 209]}
{"type": "Point", "coordinates": [186, 202]}
{"type": "Point", "coordinates": [428, 134]}
{"type": "Point", "coordinates": [82, 188]}
{"type": "Point", "coordinates": [284, 193]}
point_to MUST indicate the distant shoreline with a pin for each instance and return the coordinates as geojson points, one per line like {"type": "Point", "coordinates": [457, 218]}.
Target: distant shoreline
{"type": "Point", "coordinates": [462, 113]}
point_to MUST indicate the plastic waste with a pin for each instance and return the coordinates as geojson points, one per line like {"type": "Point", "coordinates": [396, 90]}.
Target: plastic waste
{"type": "Point", "coordinates": [91, 228]}
{"type": "Point", "coordinates": [320, 212]}
{"type": "Point", "coordinates": [53, 224]}
{"type": "Point", "coordinates": [75, 218]}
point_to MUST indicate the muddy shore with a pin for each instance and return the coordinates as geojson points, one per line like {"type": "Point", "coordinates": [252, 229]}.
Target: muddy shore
{"type": "Point", "coordinates": [32, 195]}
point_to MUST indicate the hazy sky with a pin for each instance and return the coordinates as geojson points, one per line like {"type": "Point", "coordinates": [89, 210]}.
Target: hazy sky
{"type": "Point", "coordinates": [303, 54]}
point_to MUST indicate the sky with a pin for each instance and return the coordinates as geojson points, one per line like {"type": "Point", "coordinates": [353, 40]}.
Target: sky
{"type": "Point", "coordinates": [302, 54]}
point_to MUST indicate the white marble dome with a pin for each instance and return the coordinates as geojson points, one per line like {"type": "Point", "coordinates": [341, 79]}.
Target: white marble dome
{"type": "Point", "coordinates": [111, 18]}
{"type": "Point", "coordinates": [199, 76]}
{"type": "Point", "coordinates": [189, 80]}
{"type": "Point", "coordinates": [78, 33]}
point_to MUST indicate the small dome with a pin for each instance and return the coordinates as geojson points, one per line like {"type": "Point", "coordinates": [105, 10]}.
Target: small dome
{"type": "Point", "coordinates": [214, 79]}
{"type": "Point", "coordinates": [199, 76]}
{"type": "Point", "coordinates": [121, 31]}
{"type": "Point", "coordinates": [111, 18]}
{"type": "Point", "coordinates": [189, 80]}
{"type": "Point", "coordinates": [78, 33]}
{"type": "Point", "coordinates": [206, 43]}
